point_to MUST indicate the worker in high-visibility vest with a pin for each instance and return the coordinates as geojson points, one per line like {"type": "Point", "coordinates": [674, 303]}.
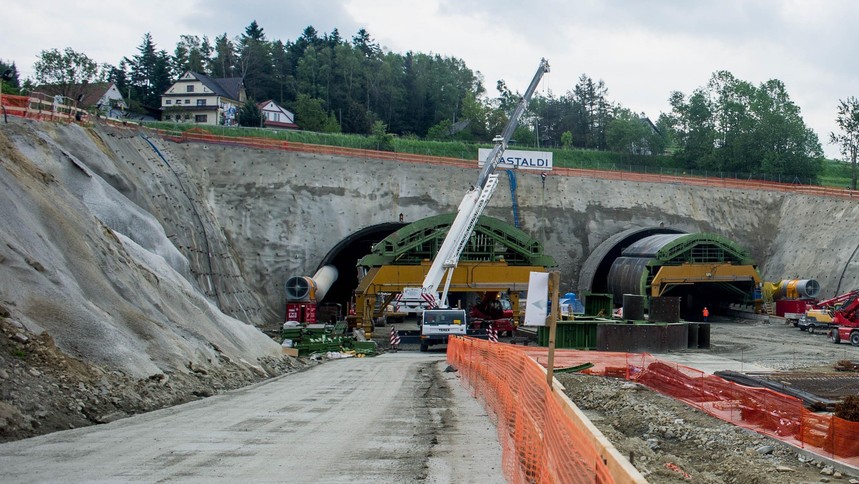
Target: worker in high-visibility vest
{"type": "Point", "coordinates": [705, 313]}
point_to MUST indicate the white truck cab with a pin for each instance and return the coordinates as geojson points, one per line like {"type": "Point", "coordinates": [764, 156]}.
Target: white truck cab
{"type": "Point", "coordinates": [438, 324]}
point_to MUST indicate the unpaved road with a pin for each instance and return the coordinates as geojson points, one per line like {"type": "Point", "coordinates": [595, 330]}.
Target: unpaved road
{"type": "Point", "coordinates": [394, 418]}
{"type": "Point", "coordinates": [775, 345]}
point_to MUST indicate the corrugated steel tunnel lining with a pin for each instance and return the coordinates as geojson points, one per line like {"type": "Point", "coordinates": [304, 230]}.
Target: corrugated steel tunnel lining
{"type": "Point", "coordinates": [594, 274]}
{"type": "Point", "coordinates": [702, 269]}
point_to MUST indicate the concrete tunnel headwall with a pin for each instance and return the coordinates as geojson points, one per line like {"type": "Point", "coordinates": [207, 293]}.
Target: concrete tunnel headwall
{"type": "Point", "coordinates": [284, 212]}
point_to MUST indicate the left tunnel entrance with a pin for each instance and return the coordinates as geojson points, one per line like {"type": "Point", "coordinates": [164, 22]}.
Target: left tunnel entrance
{"type": "Point", "coordinates": [345, 256]}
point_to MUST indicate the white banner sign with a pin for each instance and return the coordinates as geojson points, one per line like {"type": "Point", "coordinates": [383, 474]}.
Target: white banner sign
{"type": "Point", "coordinates": [537, 303]}
{"type": "Point", "coordinates": [528, 160]}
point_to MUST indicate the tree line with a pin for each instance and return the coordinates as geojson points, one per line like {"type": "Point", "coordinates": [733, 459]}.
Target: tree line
{"type": "Point", "coordinates": [355, 86]}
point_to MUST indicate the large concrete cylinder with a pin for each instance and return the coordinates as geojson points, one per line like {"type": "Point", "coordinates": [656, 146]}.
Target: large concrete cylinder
{"type": "Point", "coordinates": [797, 289]}
{"type": "Point", "coordinates": [303, 288]}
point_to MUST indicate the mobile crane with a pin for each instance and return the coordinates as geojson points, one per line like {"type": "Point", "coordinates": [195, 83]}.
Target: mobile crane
{"type": "Point", "coordinates": [440, 321]}
{"type": "Point", "coordinates": [845, 322]}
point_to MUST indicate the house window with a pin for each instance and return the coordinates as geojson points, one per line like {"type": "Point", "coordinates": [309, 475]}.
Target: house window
{"type": "Point", "coordinates": [189, 88]}
{"type": "Point", "coordinates": [169, 101]}
{"type": "Point", "coordinates": [187, 101]}
{"type": "Point", "coordinates": [201, 118]}
{"type": "Point", "coordinates": [187, 116]}
{"type": "Point", "coordinates": [275, 117]}
{"type": "Point", "coordinates": [201, 102]}
{"type": "Point", "coordinates": [166, 117]}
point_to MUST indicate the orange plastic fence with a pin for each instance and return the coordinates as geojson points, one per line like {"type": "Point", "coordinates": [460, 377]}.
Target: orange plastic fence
{"type": "Point", "coordinates": [539, 442]}
{"type": "Point", "coordinates": [43, 110]}
{"type": "Point", "coordinates": [779, 416]}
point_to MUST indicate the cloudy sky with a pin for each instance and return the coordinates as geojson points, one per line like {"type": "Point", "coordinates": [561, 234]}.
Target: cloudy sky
{"type": "Point", "coordinates": [642, 50]}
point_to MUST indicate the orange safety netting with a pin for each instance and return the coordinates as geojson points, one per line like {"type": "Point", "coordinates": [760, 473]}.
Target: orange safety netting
{"type": "Point", "coordinates": [40, 109]}
{"type": "Point", "coordinates": [760, 409]}
{"type": "Point", "coordinates": [539, 441]}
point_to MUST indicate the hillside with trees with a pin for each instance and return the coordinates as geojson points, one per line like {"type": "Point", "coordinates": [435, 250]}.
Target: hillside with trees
{"type": "Point", "coordinates": [354, 86]}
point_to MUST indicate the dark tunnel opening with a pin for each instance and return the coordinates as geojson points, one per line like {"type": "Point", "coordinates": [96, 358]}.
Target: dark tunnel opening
{"type": "Point", "coordinates": [716, 297]}
{"type": "Point", "coordinates": [345, 255]}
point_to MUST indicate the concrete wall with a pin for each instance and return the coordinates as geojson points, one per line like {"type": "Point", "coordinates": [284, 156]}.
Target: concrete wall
{"type": "Point", "coordinates": [284, 211]}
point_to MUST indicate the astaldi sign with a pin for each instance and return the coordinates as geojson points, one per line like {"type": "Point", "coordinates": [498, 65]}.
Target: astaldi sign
{"type": "Point", "coordinates": [528, 160]}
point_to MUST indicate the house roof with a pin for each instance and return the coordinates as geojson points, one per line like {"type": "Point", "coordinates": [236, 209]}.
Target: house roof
{"type": "Point", "coordinates": [278, 124]}
{"type": "Point", "coordinates": [92, 93]}
{"type": "Point", "coordinates": [226, 86]}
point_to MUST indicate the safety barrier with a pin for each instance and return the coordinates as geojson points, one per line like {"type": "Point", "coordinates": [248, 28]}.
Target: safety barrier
{"type": "Point", "coordinates": [765, 411]}
{"type": "Point", "coordinates": [35, 107]}
{"type": "Point", "coordinates": [544, 437]}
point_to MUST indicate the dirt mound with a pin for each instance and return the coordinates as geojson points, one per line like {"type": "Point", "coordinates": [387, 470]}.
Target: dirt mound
{"type": "Point", "coordinates": [45, 390]}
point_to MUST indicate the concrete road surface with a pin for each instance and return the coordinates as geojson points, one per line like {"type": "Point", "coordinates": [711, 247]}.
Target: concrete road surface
{"type": "Point", "coordinates": [394, 418]}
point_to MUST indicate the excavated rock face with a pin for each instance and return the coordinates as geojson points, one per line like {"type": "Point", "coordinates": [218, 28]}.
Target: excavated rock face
{"type": "Point", "coordinates": [99, 272]}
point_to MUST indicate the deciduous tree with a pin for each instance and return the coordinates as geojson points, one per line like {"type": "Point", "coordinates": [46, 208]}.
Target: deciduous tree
{"type": "Point", "coordinates": [848, 137]}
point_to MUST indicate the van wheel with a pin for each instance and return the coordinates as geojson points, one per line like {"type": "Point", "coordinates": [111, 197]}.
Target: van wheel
{"type": "Point", "coordinates": [811, 330]}
{"type": "Point", "coordinates": [854, 338]}
{"type": "Point", "coordinates": [424, 347]}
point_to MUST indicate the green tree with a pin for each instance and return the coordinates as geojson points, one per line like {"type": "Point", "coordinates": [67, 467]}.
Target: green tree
{"type": "Point", "coordinates": [731, 125]}
{"type": "Point", "coordinates": [255, 62]}
{"type": "Point", "coordinates": [250, 115]}
{"type": "Point", "coordinates": [9, 78]}
{"type": "Point", "coordinates": [191, 54]}
{"type": "Point", "coordinates": [629, 133]}
{"type": "Point", "coordinates": [384, 141]}
{"type": "Point", "coordinates": [590, 98]}
{"type": "Point", "coordinates": [309, 113]}
{"type": "Point", "coordinates": [848, 137]}
{"type": "Point", "coordinates": [149, 75]}
{"type": "Point", "coordinates": [567, 140]}
{"type": "Point", "coordinates": [225, 60]}
{"type": "Point", "coordinates": [69, 71]}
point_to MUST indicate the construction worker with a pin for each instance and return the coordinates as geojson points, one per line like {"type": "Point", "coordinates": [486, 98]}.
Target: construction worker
{"type": "Point", "coordinates": [705, 313]}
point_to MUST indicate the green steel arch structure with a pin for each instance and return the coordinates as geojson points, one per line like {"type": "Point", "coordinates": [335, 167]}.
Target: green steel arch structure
{"type": "Point", "coordinates": [493, 240]}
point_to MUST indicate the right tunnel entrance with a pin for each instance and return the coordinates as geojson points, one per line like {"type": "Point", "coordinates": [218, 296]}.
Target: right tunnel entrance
{"type": "Point", "coordinates": [702, 269]}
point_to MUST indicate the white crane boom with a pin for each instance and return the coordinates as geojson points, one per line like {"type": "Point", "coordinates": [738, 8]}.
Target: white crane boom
{"type": "Point", "coordinates": [474, 202]}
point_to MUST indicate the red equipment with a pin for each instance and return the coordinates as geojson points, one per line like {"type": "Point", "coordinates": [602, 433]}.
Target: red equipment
{"type": "Point", "coordinates": [846, 322]}
{"type": "Point", "coordinates": [495, 312]}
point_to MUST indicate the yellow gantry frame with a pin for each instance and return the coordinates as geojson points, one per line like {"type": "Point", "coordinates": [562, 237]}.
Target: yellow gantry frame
{"type": "Point", "coordinates": [467, 277]}
{"type": "Point", "coordinates": [669, 276]}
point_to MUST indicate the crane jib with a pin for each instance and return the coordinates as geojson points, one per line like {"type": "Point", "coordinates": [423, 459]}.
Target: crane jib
{"type": "Point", "coordinates": [502, 141]}
{"type": "Point", "coordinates": [475, 200]}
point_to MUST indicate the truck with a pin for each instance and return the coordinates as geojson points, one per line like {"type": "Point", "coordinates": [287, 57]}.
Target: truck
{"type": "Point", "coordinates": [845, 321]}
{"type": "Point", "coordinates": [470, 208]}
{"type": "Point", "coordinates": [493, 310]}
{"type": "Point", "coordinates": [819, 316]}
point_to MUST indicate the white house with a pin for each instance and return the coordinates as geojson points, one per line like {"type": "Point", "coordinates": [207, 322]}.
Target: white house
{"type": "Point", "coordinates": [275, 116]}
{"type": "Point", "coordinates": [198, 98]}
{"type": "Point", "coordinates": [102, 97]}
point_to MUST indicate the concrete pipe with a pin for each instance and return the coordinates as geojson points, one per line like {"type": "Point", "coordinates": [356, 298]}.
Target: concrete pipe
{"type": "Point", "coordinates": [303, 288]}
{"type": "Point", "coordinates": [797, 289]}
